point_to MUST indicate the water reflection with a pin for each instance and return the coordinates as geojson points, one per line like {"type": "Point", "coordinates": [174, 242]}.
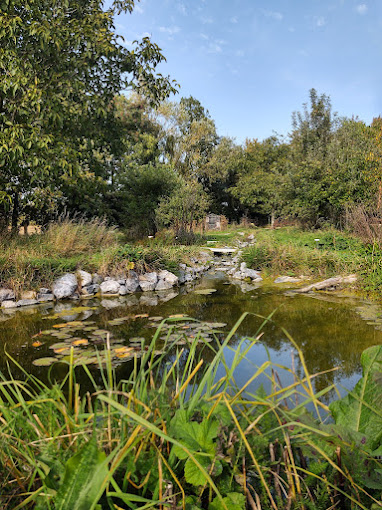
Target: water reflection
{"type": "Point", "coordinates": [330, 331]}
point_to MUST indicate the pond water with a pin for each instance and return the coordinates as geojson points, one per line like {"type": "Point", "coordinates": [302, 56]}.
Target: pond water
{"type": "Point", "coordinates": [331, 331]}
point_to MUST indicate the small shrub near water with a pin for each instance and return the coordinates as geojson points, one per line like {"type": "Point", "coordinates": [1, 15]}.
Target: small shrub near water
{"type": "Point", "coordinates": [179, 434]}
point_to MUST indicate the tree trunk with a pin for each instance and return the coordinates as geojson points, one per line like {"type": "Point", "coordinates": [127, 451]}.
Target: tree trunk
{"type": "Point", "coordinates": [15, 213]}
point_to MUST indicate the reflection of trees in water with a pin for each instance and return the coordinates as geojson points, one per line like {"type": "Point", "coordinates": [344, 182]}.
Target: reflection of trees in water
{"type": "Point", "coordinates": [329, 333]}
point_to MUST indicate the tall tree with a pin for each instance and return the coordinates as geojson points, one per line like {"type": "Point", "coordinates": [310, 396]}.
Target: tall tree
{"type": "Point", "coordinates": [61, 65]}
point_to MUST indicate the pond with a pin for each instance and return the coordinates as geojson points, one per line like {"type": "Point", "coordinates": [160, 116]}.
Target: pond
{"type": "Point", "coordinates": [331, 331]}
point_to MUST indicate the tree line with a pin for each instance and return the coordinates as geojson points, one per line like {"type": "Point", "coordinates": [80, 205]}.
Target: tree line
{"type": "Point", "coordinates": [72, 141]}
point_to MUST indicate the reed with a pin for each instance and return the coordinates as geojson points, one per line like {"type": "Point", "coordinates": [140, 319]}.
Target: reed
{"type": "Point", "coordinates": [178, 433]}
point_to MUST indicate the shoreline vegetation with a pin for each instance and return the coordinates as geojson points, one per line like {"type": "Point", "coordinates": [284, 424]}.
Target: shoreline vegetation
{"type": "Point", "coordinates": [29, 265]}
{"type": "Point", "coordinates": [182, 435]}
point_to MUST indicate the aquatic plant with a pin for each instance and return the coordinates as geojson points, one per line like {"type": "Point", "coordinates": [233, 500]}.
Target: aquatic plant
{"type": "Point", "coordinates": [180, 433]}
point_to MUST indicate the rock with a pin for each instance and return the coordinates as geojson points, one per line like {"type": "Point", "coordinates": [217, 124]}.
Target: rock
{"type": "Point", "coordinates": [75, 296]}
{"type": "Point", "coordinates": [44, 298]}
{"type": "Point", "coordinates": [251, 273]}
{"type": "Point", "coordinates": [122, 281]}
{"type": "Point", "coordinates": [123, 290]}
{"type": "Point", "coordinates": [7, 303]}
{"type": "Point", "coordinates": [163, 285]}
{"type": "Point", "coordinates": [132, 283]}
{"type": "Point", "coordinates": [329, 284]}
{"type": "Point", "coordinates": [44, 290]}
{"type": "Point", "coordinates": [85, 278]}
{"type": "Point", "coordinates": [29, 294]}
{"type": "Point", "coordinates": [90, 290]}
{"type": "Point", "coordinates": [97, 279]}
{"type": "Point", "coordinates": [287, 279]}
{"type": "Point", "coordinates": [148, 281]}
{"type": "Point", "coordinates": [109, 287]}
{"type": "Point", "coordinates": [167, 280]}
{"type": "Point", "coordinates": [65, 286]}
{"type": "Point", "coordinates": [183, 266]}
{"type": "Point", "coordinates": [27, 302]}
{"type": "Point", "coordinates": [251, 237]}
{"type": "Point", "coordinates": [6, 295]}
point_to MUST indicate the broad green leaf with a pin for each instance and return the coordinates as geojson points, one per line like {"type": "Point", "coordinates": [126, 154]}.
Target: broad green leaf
{"type": "Point", "coordinates": [84, 473]}
{"type": "Point", "coordinates": [361, 409]}
{"type": "Point", "coordinates": [234, 501]}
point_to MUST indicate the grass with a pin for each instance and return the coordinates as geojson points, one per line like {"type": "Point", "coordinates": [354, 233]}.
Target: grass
{"type": "Point", "coordinates": [178, 434]}
{"type": "Point", "coordinates": [34, 261]}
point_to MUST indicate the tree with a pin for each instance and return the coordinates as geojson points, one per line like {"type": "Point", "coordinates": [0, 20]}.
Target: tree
{"type": "Point", "coordinates": [189, 136]}
{"type": "Point", "coordinates": [260, 183]}
{"type": "Point", "coordinates": [61, 65]}
{"type": "Point", "coordinates": [186, 205]}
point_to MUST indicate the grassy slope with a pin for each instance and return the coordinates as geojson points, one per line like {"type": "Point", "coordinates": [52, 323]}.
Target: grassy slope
{"type": "Point", "coordinates": [32, 262]}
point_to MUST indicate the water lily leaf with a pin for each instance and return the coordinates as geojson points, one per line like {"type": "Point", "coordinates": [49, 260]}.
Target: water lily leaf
{"type": "Point", "coordinates": [177, 316]}
{"type": "Point", "coordinates": [44, 362]}
{"type": "Point", "coordinates": [62, 351]}
{"type": "Point", "coordinates": [36, 344]}
{"type": "Point", "coordinates": [204, 292]}
{"type": "Point", "coordinates": [141, 316]}
{"type": "Point", "coordinates": [217, 325]}
{"type": "Point", "coordinates": [59, 326]}
{"type": "Point", "coordinates": [100, 332]}
{"type": "Point", "coordinates": [60, 345]}
{"type": "Point", "coordinates": [156, 319]}
{"type": "Point", "coordinates": [47, 332]}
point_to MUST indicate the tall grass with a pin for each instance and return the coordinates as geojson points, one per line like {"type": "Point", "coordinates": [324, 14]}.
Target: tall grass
{"type": "Point", "coordinates": [177, 434]}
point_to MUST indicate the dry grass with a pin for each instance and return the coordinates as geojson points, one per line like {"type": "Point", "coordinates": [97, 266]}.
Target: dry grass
{"type": "Point", "coordinates": [70, 237]}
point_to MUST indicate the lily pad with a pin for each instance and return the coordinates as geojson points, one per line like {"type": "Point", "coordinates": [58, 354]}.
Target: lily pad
{"type": "Point", "coordinates": [37, 343]}
{"type": "Point", "coordinates": [44, 362]}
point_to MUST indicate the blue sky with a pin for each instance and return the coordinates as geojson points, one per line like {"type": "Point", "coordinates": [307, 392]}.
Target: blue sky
{"type": "Point", "coordinates": [251, 63]}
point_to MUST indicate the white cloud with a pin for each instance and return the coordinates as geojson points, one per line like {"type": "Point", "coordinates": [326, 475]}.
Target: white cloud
{"type": "Point", "coordinates": [170, 30]}
{"type": "Point", "coordinates": [361, 8]}
{"type": "Point", "coordinates": [206, 21]}
{"type": "Point", "coordinates": [234, 20]}
{"type": "Point", "coordinates": [204, 36]}
{"type": "Point", "coordinates": [278, 16]}
{"type": "Point", "coordinates": [320, 21]}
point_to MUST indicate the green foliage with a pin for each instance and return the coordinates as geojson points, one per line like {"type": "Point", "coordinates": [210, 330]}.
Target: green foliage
{"type": "Point", "coordinates": [62, 65]}
{"type": "Point", "coordinates": [360, 410]}
{"type": "Point", "coordinates": [84, 474]}
{"type": "Point", "coordinates": [181, 434]}
{"type": "Point", "coordinates": [188, 204]}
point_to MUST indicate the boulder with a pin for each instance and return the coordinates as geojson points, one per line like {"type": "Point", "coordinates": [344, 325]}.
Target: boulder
{"type": "Point", "coordinates": [90, 290]}
{"type": "Point", "coordinates": [109, 287]}
{"type": "Point", "coordinates": [148, 281]}
{"type": "Point", "coordinates": [44, 298]}
{"type": "Point", "coordinates": [97, 279]}
{"type": "Point", "coordinates": [6, 295]}
{"type": "Point", "coordinates": [29, 294]}
{"type": "Point", "coordinates": [65, 286]}
{"type": "Point", "coordinates": [44, 290]}
{"type": "Point", "coordinates": [167, 280]}
{"type": "Point", "coordinates": [123, 290]}
{"type": "Point", "coordinates": [163, 285]}
{"type": "Point", "coordinates": [132, 283]}
{"type": "Point", "coordinates": [7, 303]}
{"type": "Point", "coordinates": [85, 278]}
{"type": "Point", "coordinates": [27, 302]}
